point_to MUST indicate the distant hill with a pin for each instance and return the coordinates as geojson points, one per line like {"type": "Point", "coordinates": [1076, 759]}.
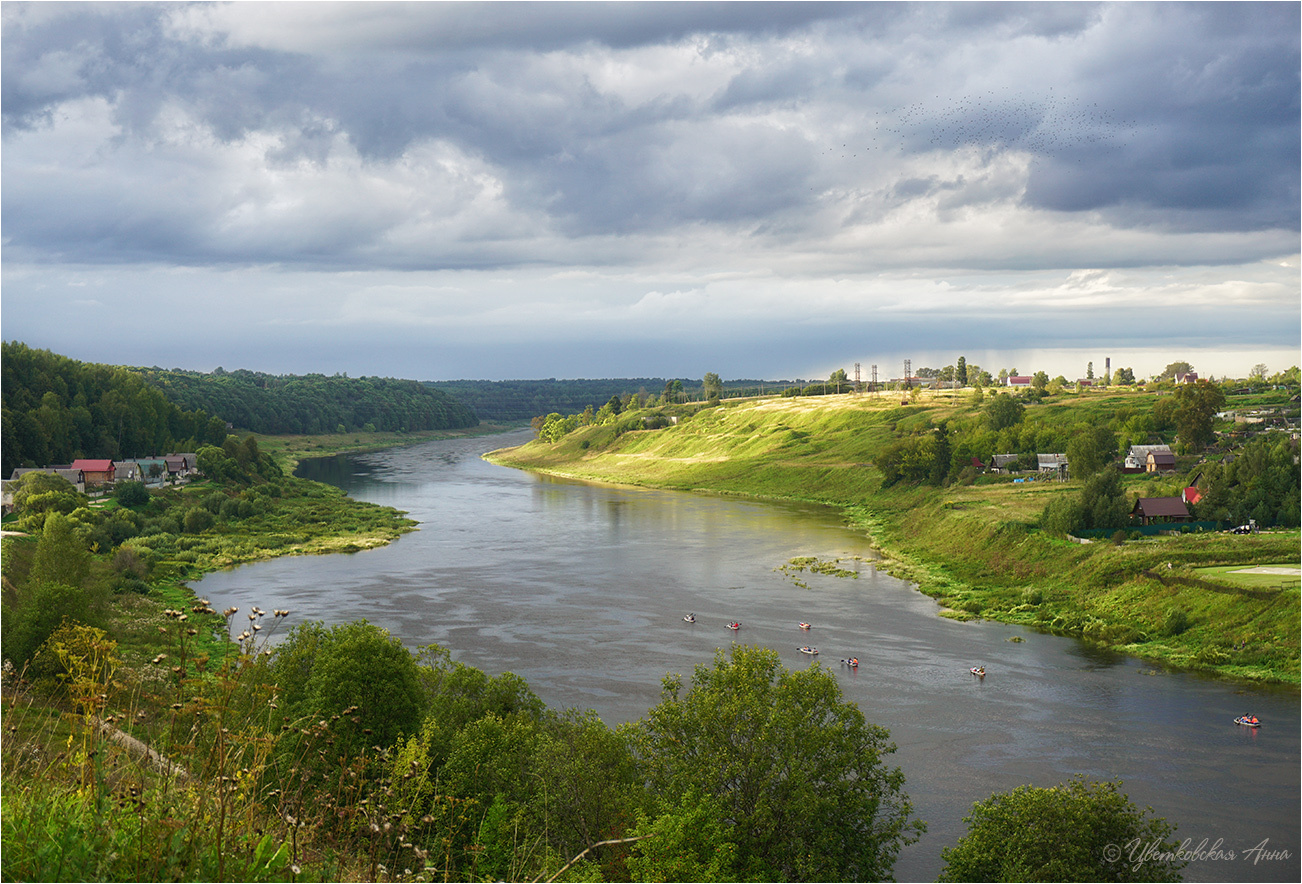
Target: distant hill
{"type": "Point", "coordinates": [522, 400]}
{"type": "Point", "coordinates": [310, 404]}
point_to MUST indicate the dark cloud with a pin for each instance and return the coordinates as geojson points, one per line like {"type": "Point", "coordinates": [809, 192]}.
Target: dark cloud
{"type": "Point", "coordinates": [792, 150]}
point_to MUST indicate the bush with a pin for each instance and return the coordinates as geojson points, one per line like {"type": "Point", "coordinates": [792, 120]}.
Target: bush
{"type": "Point", "coordinates": [357, 664]}
{"type": "Point", "coordinates": [131, 494]}
{"type": "Point", "coordinates": [1177, 622]}
{"type": "Point", "coordinates": [197, 520]}
{"type": "Point", "coordinates": [1076, 831]}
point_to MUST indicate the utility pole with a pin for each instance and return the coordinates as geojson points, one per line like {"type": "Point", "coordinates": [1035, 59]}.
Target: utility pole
{"type": "Point", "coordinates": [858, 388]}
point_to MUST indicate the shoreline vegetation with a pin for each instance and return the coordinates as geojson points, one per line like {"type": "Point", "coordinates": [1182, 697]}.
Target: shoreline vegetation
{"type": "Point", "coordinates": [974, 545]}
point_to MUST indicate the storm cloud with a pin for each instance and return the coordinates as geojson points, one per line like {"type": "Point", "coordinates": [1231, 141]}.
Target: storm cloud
{"type": "Point", "coordinates": [537, 189]}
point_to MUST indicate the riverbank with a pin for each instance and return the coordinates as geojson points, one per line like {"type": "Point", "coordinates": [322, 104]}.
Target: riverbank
{"type": "Point", "coordinates": [288, 450]}
{"type": "Point", "coordinates": [975, 548]}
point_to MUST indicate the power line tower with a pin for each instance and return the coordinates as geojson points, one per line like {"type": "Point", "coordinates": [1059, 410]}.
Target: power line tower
{"type": "Point", "coordinates": [908, 373]}
{"type": "Point", "coordinates": [874, 383]}
{"type": "Point", "coordinates": [858, 387]}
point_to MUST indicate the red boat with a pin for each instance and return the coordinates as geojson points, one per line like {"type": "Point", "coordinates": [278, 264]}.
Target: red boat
{"type": "Point", "coordinates": [735, 625]}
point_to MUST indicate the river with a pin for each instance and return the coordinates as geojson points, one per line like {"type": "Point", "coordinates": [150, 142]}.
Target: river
{"type": "Point", "coordinates": [581, 589]}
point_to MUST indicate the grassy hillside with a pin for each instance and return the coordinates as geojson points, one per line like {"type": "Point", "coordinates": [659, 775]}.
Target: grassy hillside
{"type": "Point", "coordinates": [976, 547]}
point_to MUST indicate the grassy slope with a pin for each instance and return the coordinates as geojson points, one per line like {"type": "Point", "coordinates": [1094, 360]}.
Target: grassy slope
{"type": "Point", "coordinates": [974, 548]}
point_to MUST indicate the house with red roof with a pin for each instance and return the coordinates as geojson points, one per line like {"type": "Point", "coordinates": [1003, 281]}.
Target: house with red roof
{"type": "Point", "coordinates": [97, 473]}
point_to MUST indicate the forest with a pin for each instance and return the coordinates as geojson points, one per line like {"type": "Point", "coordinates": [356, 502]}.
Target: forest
{"type": "Point", "coordinates": [56, 409]}
{"type": "Point", "coordinates": [312, 404]}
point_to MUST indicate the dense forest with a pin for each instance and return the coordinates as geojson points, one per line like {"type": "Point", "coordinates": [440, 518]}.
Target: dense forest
{"type": "Point", "coordinates": [312, 404]}
{"type": "Point", "coordinates": [521, 400]}
{"type": "Point", "coordinates": [56, 409]}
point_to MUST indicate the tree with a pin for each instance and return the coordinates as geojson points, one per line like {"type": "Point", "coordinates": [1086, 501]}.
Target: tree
{"type": "Point", "coordinates": [1090, 449]}
{"type": "Point", "coordinates": [960, 371]}
{"type": "Point", "coordinates": [1003, 411]}
{"type": "Point", "coordinates": [1089, 371]}
{"type": "Point", "coordinates": [777, 765]}
{"type": "Point", "coordinates": [1258, 372]}
{"type": "Point", "coordinates": [1077, 831]}
{"type": "Point", "coordinates": [39, 492]}
{"type": "Point", "coordinates": [712, 386]}
{"type": "Point", "coordinates": [131, 494]}
{"type": "Point", "coordinates": [1040, 381]}
{"type": "Point", "coordinates": [1125, 376]}
{"type": "Point", "coordinates": [1195, 407]}
{"type": "Point", "coordinates": [838, 379]}
{"type": "Point", "coordinates": [1102, 503]}
{"type": "Point", "coordinates": [1174, 369]}
{"type": "Point", "coordinates": [321, 672]}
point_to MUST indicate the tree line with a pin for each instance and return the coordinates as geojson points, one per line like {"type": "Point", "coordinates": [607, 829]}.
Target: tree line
{"type": "Point", "coordinates": [522, 400]}
{"type": "Point", "coordinates": [312, 404]}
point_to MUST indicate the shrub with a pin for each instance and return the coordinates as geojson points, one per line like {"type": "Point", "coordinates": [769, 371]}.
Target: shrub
{"type": "Point", "coordinates": [131, 494]}
{"type": "Point", "coordinates": [1079, 832]}
{"type": "Point", "coordinates": [197, 520]}
{"type": "Point", "coordinates": [1177, 622]}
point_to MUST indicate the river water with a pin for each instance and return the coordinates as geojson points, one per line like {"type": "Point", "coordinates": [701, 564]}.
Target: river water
{"type": "Point", "coordinates": [581, 589]}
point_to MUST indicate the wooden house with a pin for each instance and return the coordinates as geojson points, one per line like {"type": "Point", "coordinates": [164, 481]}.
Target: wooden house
{"type": "Point", "coordinates": [96, 473]}
{"type": "Point", "coordinates": [1160, 462]}
{"type": "Point", "coordinates": [1160, 509]}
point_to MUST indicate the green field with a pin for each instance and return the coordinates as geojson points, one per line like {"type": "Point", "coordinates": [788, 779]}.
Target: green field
{"type": "Point", "coordinates": [1256, 576]}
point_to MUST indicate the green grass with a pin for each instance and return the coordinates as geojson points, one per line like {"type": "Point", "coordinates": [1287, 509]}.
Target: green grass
{"type": "Point", "coordinates": [1235, 574]}
{"type": "Point", "coordinates": [974, 548]}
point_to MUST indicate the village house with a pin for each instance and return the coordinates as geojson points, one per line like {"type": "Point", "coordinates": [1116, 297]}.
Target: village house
{"type": "Point", "coordinates": [1053, 463]}
{"type": "Point", "coordinates": [1150, 510]}
{"type": "Point", "coordinates": [97, 473]}
{"type": "Point", "coordinates": [1018, 380]}
{"type": "Point", "coordinates": [1137, 457]}
{"type": "Point", "coordinates": [1004, 462]}
{"type": "Point", "coordinates": [1160, 462]}
{"type": "Point", "coordinates": [1186, 377]}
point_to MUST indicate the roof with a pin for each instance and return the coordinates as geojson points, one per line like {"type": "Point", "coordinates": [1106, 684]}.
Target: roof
{"type": "Point", "coordinates": [1161, 458]}
{"type": "Point", "coordinates": [1141, 451]}
{"type": "Point", "coordinates": [1019, 380]}
{"type": "Point", "coordinates": [1191, 495]}
{"type": "Point", "coordinates": [1051, 460]}
{"type": "Point", "coordinates": [92, 466]}
{"type": "Point", "coordinates": [1151, 507]}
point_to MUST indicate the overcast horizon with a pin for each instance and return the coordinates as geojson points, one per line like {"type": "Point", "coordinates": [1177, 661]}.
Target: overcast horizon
{"type": "Point", "coordinates": [443, 191]}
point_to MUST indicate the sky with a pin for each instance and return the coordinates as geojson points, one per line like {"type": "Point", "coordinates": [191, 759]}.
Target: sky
{"type": "Point", "coordinates": [769, 190]}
